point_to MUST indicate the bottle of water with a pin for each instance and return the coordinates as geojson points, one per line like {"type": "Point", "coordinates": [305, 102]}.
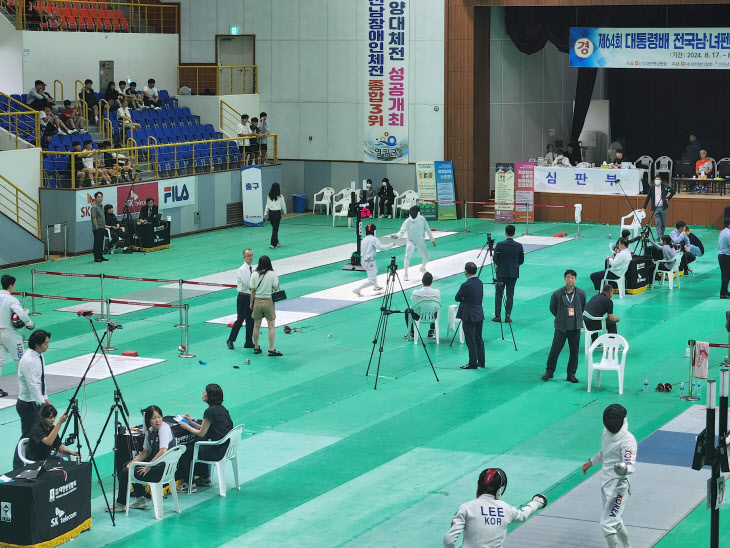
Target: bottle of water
{"type": "Point", "coordinates": [646, 385]}
{"type": "Point", "coordinates": [681, 389]}
{"type": "Point", "coordinates": [699, 388]}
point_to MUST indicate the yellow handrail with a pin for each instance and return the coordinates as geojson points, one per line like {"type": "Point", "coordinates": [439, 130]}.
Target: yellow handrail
{"type": "Point", "coordinates": [25, 210]}
{"type": "Point", "coordinates": [14, 124]}
{"type": "Point", "coordinates": [55, 95]}
{"type": "Point", "coordinates": [248, 78]}
{"type": "Point", "coordinates": [230, 118]}
{"type": "Point", "coordinates": [107, 130]}
{"type": "Point", "coordinates": [123, 129]}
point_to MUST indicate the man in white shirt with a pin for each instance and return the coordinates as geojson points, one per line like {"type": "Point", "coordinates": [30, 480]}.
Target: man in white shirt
{"type": "Point", "coordinates": [618, 264]}
{"type": "Point", "coordinates": [150, 97]}
{"type": "Point", "coordinates": [31, 385]}
{"type": "Point", "coordinates": [484, 520]}
{"type": "Point", "coordinates": [11, 341]}
{"type": "Point", "coordinates": [414, 227]}
{"type": "Point", "coordinates": [368, 249]}
{"type": "Point", "coordinates": [243, 310]}
{"type": "Point", "coordinates": [419, 295]}
{"type": "Point", "coordinates": [243, 129]}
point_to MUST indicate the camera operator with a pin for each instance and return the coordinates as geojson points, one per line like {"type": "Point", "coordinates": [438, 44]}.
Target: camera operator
{"type": "Point", "coordinates": [508, 256]}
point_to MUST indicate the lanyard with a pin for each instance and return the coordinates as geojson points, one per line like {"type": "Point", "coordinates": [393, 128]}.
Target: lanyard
{"type": "Point", "coordinates": [570, 299]}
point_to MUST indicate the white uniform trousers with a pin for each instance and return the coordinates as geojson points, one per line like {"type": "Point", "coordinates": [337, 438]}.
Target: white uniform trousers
{"type": "Point", "coordinates": [423, 250]}
{"type": "Point", "coordinates": [10, 343]}
{"type": "Point", "coordinates": [371, 267]}
{"type": "Point", "coordinates": [615, 495]}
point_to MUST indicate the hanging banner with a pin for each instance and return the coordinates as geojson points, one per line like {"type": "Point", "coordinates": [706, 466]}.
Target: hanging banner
{"type": "Point", "coordinates": [253, 208]}
{"type": "Point", "coordinates": [177, 192]}
{"type": "Point", "coordinates": [576, 180]}
{"type": "Point", "coordinates": [524, 190]}
{"type": "Point", "coordinates": [701, 48]}
{"type": "Point", "coordinates": [426, 184]}
{"type": "Point", "coordinates": [445, 190]}
{"type": "Point", "coordinates": [504, 193]}
{"type": "Point", "coordinates": [85, 199]}
{"type": "Point", "coordinates": [386, 103]}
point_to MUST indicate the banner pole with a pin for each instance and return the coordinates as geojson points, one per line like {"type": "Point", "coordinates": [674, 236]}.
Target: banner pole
{"type": "Point", "coordinates": [186, 352]}
{"type": "Point", "coordinates": [100, 317]}
{"type": "Point", "coordinates": [527, 220]}
{"type": "Point", "coordinates": [180, 299]}
{"type": "Point", "coordinates": [466, 215]}
{"type": "Point", "coordinates": [48, 246]}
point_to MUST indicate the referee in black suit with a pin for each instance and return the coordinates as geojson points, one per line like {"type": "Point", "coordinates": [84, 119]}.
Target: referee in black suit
{"type": "Point", "coordinates": [508, 256]}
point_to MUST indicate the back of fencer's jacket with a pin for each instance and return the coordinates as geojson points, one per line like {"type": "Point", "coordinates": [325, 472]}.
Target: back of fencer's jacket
{"type": "Point", "coordinates": [469, 297]}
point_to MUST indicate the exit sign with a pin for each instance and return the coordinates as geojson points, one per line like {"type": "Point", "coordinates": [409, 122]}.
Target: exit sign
{"type": "Point", "coordinates": [234, 30]}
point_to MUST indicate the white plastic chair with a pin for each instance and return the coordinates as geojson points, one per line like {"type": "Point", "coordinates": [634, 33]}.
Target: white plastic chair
{"type": "Point", "coordinates": [234, 437]}
{"type": "Point", "coordinates": [620, 283]}
{"type": "Point", "coordinates": [664, 164]}
{"type": "Point", "coordinates": [634, 219]}
{"type": "Point", "coordinates": [325, 199]}
{"type": "Point", "coordinates": [22, 447]}
{"type": "Point", "coordinates": [404, 202]}
{"type": "Point", "coordinates": [584, 165]}
{"type": "Point", "coordinates": [170, 460]}
{"type": "Point", "coordinates": [428, 312]}
{"type": "Point", "coordinates": [589, 333]}
{"type": "Point", "coordinates": [453, 322]}
{"type": "Point", "coordinates": [611, 359]}
{"type": "Point", "coordinates": [670, 274]}
{"type": "Point", "coordinates": [341, 205]}
{"type": "Point", "coordinates": [646, 162]}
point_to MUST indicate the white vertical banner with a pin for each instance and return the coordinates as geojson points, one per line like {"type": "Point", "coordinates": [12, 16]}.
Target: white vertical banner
{"type": "Point", "coordinates": [386, 96]}
{"type": "Point", "coordinates": [253, 209]}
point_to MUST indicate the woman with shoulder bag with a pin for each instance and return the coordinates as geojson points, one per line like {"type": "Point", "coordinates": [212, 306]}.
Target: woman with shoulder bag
{"type": "Point", "coordinates": [264, 282]}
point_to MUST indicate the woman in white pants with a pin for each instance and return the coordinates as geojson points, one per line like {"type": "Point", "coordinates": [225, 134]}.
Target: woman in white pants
{"type": "Point", "coordinates": [414, 228]}
{"type": "Point", "coordinates": [368, 249]}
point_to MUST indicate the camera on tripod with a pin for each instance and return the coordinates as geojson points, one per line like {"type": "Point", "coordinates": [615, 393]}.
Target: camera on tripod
{"type": "Point", "coordinates": [392, 267]}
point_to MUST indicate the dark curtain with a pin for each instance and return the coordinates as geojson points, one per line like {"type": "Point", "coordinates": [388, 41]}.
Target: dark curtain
{"type": "Point", "coordinates": [652, 110]}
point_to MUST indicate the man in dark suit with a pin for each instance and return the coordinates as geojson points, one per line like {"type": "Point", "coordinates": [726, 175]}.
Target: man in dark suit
{"type": "Point", "coordinates": [659, 197]}
{"type": "Point", "coordinates": [508, 256]}
{"type": "Point", "coordinates": [471, 314]}
{"type": "Point", "coordinates": [148, 210]}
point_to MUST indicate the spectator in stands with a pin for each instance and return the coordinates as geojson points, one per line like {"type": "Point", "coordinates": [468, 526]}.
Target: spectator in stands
{"type": "Point", "coordinates": [71, 116]}
{"type": "Point", "coordinates": [38, 99]}
{"type": "Point", "coordinates": [109, 162]}
{"type": "Point", "coordinates": [87, 163]}
{"type": "Point", "coordinates": [386, 196]}
{"type": "Point", "coordinates": [50, 123]}
{"type": "Point", "coordinates": [134, 92]}
{"type": "Point", "coordinates": [88, 95]}
{"type": "Point", "coordinates": [598, 306]}
{"type": "Point", "coordinates": [112, 96]}
{"type": "Point", "coordinates": [242, 130]}
{"type": "Point", "coordinates": [151, 97]}
{"type": "Point", "coordinates": [35, 14]}
{"type": "Point", "coordinates": [123, 112]}
{"type": "Point", "coordinates": [116, 232]}
{"type": "Point", "coordinates": [125, 163]}
{"type": "Point", "coordinates": [131, 97]}
{"type": "Point", "coordinates": [263, 131]}
{"type": "Point", "coordinates": [253, 146]}
{"type": "Point", "coordinates": [46, 142]}
{"type": "Point", "coordinates": [550, 156]}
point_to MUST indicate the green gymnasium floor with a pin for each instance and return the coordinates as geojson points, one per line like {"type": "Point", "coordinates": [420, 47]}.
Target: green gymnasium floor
{"type": "Point", "coordinates": [328, 461]}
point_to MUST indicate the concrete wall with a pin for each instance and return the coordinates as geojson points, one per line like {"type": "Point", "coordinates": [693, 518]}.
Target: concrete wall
{"type": "Point", "coordinates": [208, 106]}
{"type": "Point", "coordinates": [11, 58]}
{"type": "Point", "coordinates": [17, 245]}
{"type": "Point", "coordinates": [22, 168]}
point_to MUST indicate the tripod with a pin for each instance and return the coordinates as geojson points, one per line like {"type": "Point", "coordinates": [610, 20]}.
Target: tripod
{"type": "Point", "coordinates": [385, 313]}
{"type": "Point", "coordinates": [645, 231]}
{"type": "Point", "coordinates": [502, 287]}
{"type": "Point", "coordinates": [116, 409]}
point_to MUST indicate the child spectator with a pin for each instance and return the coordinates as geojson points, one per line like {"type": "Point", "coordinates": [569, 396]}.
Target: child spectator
{"type": "Point", "coordinates": [71, 117]}
{"type": "Point", "coordinates": [87, 163]}
{"type": "Point", "coordinates": [50, 123]}
{"type": "Point", "coordinates": [134, 92]}
{"type": "Point", "coordinates": [131, 97]}
{"type": "Point", "coordinates": [125, 164]}
{"type": "Point", "coordinates": [263, 130]}
{"type": "Point", "coordinates": [88, 95]}
{"type": "Point", "coordinates": [254, 145]}
{"type": "Point", "coordinates": [151, 97]}
{"type": "Point", "coordinates": [123, 112]}
{"type": "Point", "coordinates": [112, 97]}
{"type": "Point", "coordinates": [242, 130]}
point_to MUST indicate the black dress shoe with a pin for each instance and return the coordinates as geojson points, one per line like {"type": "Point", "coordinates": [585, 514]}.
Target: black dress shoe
{"type": "Point", "coordinates": [468, 366]}
{"type": "Point", "coordinates": [249, 345]}
{"type": "Point", "coordinates": [103, 260]}
{"type": "Point", "coordinates": [725, 296]}
{"type": "Point", "coordinates": [480, 365]}
{"type": "Point", "coordinates": [547, 376]}
{"type": "Point", "coordinates": [507, 319]}
{"type": "Point", "coordinates": [229, 344]}
{"type": "Point", "coordinates": [497, 319]}
{"type": "Point", "coordinates": [571, 378]}
{"type": "Point", "coordinates": [98, 261]}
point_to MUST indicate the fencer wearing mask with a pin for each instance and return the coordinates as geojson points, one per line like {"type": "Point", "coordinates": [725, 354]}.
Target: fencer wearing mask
{"type": "Point", "coordinates": [659, 197]}
{"type": "Point", "coordinates": [368, 249]}
{"type": "Point", "coordinates": [618, 457]}
{"type": "Point", "coordinates": [414, 228]}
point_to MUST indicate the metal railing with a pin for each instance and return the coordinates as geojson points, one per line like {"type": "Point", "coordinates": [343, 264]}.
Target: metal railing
{"type": "Point", "coordinates": [21, 121]}
{"type": "Point", "coordinates": [95, 16]}
{"type": "Point", "coordinates": [56, 97]}
{"type": "Point", "coordinates": [159, 160]}
{"type": "Point", "coordinates": [229, 120]}
{"type": "Point", "coordinates": [20, 207]}
{"type": "Point", "coordinates": [220, 80]}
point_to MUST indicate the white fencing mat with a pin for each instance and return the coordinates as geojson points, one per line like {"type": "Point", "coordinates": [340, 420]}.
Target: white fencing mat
{"type": "Point", "coordinates": [75, 367]}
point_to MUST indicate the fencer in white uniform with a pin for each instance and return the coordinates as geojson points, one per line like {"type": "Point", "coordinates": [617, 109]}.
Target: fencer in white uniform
{"type": "Point", "coordinates": [414, 227]}
{"type": "Point", "coordinates": [368, 249]}
{"type": "Point", "coordinates": [485, 519]}
{"type": "Point", "coordinates": [11, 342]}
{"type": "Point", "coordinates": [618, 459]}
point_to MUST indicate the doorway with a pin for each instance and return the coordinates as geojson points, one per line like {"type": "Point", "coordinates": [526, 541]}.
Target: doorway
{"type": "Point", "coordinates": [236, 51]}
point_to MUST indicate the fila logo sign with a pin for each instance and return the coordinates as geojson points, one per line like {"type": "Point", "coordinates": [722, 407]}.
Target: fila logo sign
{"type": "Point", "coordinates": [176, 193]}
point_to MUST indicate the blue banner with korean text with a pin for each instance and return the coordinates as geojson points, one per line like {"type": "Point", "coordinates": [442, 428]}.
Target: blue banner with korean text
{"type": "Point", "coordinates": [385, 136]}
{"type": "Point", "coordinates": [676, 48]}
{"type": "Point", "coordinates": [588, 181]}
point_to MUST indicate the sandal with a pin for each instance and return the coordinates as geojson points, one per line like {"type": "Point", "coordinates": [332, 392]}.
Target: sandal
{"type": "Point", "coordinates": [257, 351]}
{"type": "Point", "coordinates": [275, 353]}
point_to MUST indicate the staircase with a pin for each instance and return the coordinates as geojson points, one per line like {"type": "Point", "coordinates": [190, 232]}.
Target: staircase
{"type": "Point", "coordinates": [19, 225]}
{"type": "Point", "coordinates": [487, 211]}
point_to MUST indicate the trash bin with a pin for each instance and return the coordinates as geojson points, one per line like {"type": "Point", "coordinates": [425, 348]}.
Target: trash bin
{"type": "Point", "coordinates": [299, 202]}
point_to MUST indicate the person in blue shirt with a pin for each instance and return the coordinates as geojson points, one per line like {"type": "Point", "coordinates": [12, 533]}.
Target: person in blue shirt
{"type": "Point", "coordinates": [723, 256]}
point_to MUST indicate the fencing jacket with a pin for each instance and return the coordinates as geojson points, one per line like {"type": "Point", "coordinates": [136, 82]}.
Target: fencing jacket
{"type": "Point", "coordinates": [369, 246]}
{"type": "Point", "coordinates": [8, 305]}
{"type": "Point", "coordinates": [414, 229]}
{"type": "Point", "coordinates": [615, 448]}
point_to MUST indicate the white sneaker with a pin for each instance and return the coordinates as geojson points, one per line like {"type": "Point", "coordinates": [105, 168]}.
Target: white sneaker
{"type": "Point", "coordinates": [381, 216]}
{"type": "Point", "coordinates": [422, 269]}
{"type": "Point", "coordinates": [183, 488]}
{"type": "Point", "coordinates": [356, 292]}
{"type": "Point", "coordinates": [405, 278]}
{"type": "Point", "coordinates": [158, 108]}
{"type": "Point", "coordinates": [59, 131]}
{"type": "Point", "coordinates": [72, 131]}
{"type": "Point", "coordinates": [140, 503]}
{"type": "Point", "coordinates": [116, 507]}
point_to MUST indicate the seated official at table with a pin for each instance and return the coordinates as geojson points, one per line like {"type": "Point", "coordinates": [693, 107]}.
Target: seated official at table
{"type": "Point", "coordinates": [43, 436]}
{"type": "Point", "coordinates": [573, 154]}
{"type": "Point", "coordinates": [550, 155]}
{"type": "Point", "coordinates": [561, 160]}
{"type": "Point", "coordinates": [148, 210]}
{"type": "Point", "coordinates": [215, 425]}
{"type": "Point", "coordinates": [703, 166]}
{"type": "Point", "coordinates": [598, 306]}
{"type": "Point", "coordinates": [158, 439]}
{"type": "Point", "coordinates": [617, 265]}
{"type": "Point", "coordinates": [620, 158]}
